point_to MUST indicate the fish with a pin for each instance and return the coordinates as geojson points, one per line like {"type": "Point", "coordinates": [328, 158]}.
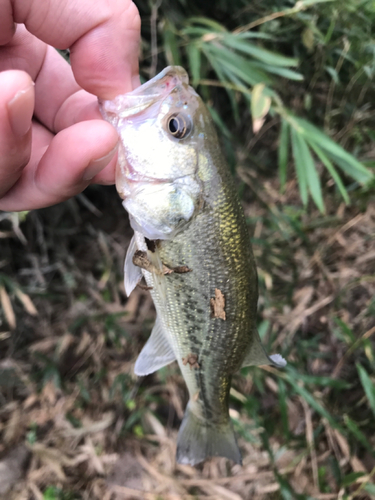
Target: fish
{"type": "Point", "coordinates": [192, 246]}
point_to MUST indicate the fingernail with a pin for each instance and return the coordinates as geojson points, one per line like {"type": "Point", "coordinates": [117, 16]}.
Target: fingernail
{"type": "Point", "coordinates": [21, 109]}
{"type": "Point", "coordinates": [96, 166]}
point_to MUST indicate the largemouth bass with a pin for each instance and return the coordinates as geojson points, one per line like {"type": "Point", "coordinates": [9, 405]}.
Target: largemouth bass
{"type": "Point", "coordinates": [192, 246]}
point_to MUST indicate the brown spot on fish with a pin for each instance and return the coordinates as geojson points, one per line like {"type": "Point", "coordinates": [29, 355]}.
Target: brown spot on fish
{"type": "Point", "coordinates": [141, 260]}
{"type": "Point", "coordinates": [192, 360]}
{"type": "Point", "coordinates": [181, 269]}
{"type": "Point", "coordinates": [218, 305]}
{"type": "Point", "coordinates": [144, 287]}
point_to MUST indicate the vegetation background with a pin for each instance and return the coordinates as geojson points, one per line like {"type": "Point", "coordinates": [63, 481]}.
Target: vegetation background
{"type": "Point", "coordinates": [290, 86]}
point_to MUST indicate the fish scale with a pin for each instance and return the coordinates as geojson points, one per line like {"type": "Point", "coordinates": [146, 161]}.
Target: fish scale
{"type": "Point", "coordinates": [189, 215]}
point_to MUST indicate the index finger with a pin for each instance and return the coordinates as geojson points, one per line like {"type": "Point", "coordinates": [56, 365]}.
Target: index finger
{"type": "Point", "coordinates": [103, 37]}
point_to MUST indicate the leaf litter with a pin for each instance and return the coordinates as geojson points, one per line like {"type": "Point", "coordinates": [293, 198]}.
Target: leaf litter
{"type": "Point", "coordinates": [74, 417]}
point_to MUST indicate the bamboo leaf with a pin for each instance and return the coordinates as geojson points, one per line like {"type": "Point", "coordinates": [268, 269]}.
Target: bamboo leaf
{"type": "Point", "coordinates": [299, 165]}
{"type": "Point", "coordinates": [194, 56]}
{"type": "Point", "coordinates": [260, 105]}
{"type": "Point", "coordinates": [209, 23]}
{"type": "Point", "coordinates": [283, 152]}
{"type": "Point", "coordinates": [344, 160]}
{"type": "Point", "coordinates": [255, 34]}
{"type": "Point", "coordinates": [331, 169]}
{"type": "Point", "coordinates": [171, 48]}
{"type": "Point", "coordinates": [272, 58]}
{"type": "Point", "coordinates": [237, 65]}
{"type": "Point", "coordinates": [221, 75]}
{"type": "Point", "coordinates": [284, 72]}
{"type": "Point", "coordinates": [352, 167]}
{"type": "Point", "coordinates": [313, 179]}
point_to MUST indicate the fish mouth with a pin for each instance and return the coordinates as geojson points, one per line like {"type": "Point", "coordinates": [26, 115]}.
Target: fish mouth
{"type": "Point", "coordinates": [163, 83]}
{"type": "Point", "coordinates": [171, 79]}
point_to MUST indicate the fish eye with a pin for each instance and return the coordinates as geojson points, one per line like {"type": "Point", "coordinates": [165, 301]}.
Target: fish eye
{"type": "Point", "coordinates": [179, 125]}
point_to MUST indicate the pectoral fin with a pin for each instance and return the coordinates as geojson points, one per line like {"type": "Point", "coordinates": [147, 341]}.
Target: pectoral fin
{"type": "Point", "coordinates": [132, 273]}
{"type": "Point", "coordinates": [156, 353]}
{"type": "Point", "coordinates": [257, 355]}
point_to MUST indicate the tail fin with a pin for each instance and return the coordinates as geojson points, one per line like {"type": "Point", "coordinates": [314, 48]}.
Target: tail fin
{"type": "Point", "coordinates": [198, 439]}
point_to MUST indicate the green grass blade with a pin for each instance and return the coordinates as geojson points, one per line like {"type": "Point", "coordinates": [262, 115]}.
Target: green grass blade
{"type": "Point", "coordinates": [368, 386]}
{"type": "Point", "coordinates": [358, 434]}
{"type": "Point", "coordinates": [309, 398]}
{"type": "Point", "coordinates": [283, 407]}
{"type": "Point", "coordinates": [283, 152]}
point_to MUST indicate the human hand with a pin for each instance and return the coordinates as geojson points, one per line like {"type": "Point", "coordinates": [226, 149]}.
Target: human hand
{"type": "Point", "coordinates": [66, 145]}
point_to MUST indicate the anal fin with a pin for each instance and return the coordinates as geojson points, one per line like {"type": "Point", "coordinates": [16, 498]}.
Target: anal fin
{"type": "Point", "coordinates": [156, 353]}
{"type": "Point", "coordinates": [257, 355]}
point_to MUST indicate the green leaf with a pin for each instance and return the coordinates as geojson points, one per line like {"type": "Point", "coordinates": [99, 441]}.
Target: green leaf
{"type": "Point", "coordinates": [344, 160]}
{"type": "Point", "coordinates": [308, 3]}
{"type": "Point", "coordinates": [283, 407]}
{"type": "Point", "coordinates": [209, 23]}
{"type": "Point", "coordinates": [367, 385]}
{"type": "Point", "coordinates": [369, 488]}
{"type": "Point", "coordinates": [353, 168]}
{"type": "Point", "coordinates": [194, 57]}
{"type": "Point", "coordinates": [260, 105]}
{"type": "Point", "coordinates": [219, 122]}
{"type": "Point", "coordinates": [299, 164]}
{"type": "Point", "coordinates": [237, 42]}
{"type": "Point", "coordinates": [171, 46]}
{"type": "Point", "coordinates": [309, 398]}
{"type": "Point", "coordinates": [237, 65]}
{"type": "Point", "coordinates": [283, 152]}
{"type": "Point", "coordinates": [284, 72]}
{"type": "Point", "coordinates": [331, 169]}
{"type": "Point", "coordinates": [358, 434]}
{"type": "Point", "coordinates": [221, 75]}
{"type": "Point", "coordinates": [351, 478]}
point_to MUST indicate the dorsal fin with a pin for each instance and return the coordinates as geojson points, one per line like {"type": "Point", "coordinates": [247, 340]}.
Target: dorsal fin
{"type": "Point", "coordinates": [156, 353]}
{"type": "Point", "coordinates": [257, 355]}
{"type": "Point", "coordinates": [132, 273]}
